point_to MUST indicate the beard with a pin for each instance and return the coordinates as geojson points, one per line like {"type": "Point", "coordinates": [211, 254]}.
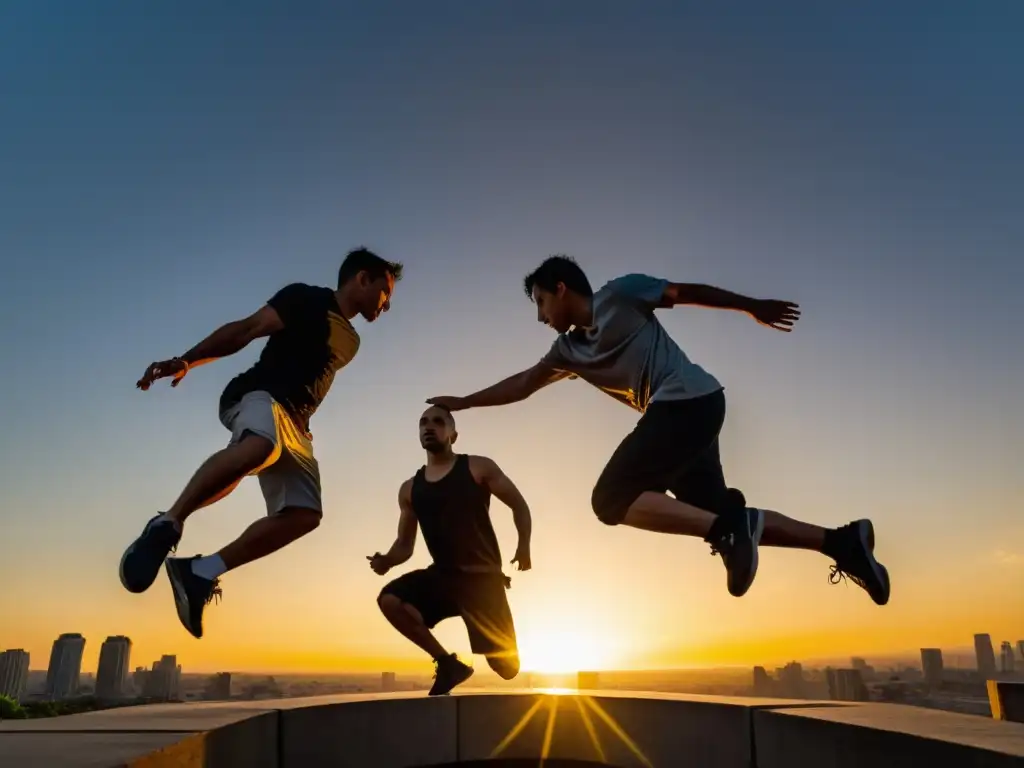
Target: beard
{"type": "Point", "coordinates": [433, 445]}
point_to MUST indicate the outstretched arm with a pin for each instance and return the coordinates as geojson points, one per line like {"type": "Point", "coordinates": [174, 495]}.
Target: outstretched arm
{"type": "Point", "coordinates": [511, 390]}
{"type": "Point", "coordinates": [405, 541]}
{"type": "Point", "coordinates": [780, 315]}
{"type": "Point", "coordinates": [226, 340]}
{"type": "Point", "coordinates": [490, 475]}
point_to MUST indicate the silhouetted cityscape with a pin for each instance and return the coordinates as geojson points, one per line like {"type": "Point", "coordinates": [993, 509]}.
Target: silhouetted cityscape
{"type": "Point", "coordinates": [934, 683]}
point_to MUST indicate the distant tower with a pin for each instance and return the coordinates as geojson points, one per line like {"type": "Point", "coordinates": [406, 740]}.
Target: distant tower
{"type": "Point", "coordinates": [218, 687]}
{"type": "Point", "coordinates": [986, 657]}
{"type": "Point", "coordinates": [387, 681]}
{"type": "Point", "coordinates": [763, 683]}
{"type": "Point", "coordinates": [1020, 648]}
{"type": "Point", "coordinates": [1006, 658]}
{"type": "Point", "coordinates": [112, 673]}
{"type": "Point", "coordinates": [164, 680]}
{"type": "Point", "coordinates": [13, 673]}
{"type": "Point", "coordinates": [931, 665]}
{"type": "Point", "coordinates": [65, 668]}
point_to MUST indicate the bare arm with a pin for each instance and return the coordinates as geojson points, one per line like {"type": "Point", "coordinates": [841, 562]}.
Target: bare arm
{"type": "Point", "coordinates": [405, 542]}
{"type": "Point", "coordinates": [511, 390]}
{"type": "Point", "coordinates": [234, 337]}
{"type": "Point", "coordinates": [780, 315]}
{"type": "Point", "coordinates": [490, 475]}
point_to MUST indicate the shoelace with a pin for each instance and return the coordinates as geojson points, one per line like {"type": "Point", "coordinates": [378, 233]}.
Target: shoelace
{"type": "Point", "coordinates": [837, 574]}
{"type": "Point", "coordinates": [215, 592]}
{"type": "Point", "coordinates": [722, 547]}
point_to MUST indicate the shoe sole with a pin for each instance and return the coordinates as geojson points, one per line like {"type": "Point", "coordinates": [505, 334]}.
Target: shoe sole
{"type": "Point", "coordinates": [180, 600]}
{"type": "Point", "coordinates": [866, 534]}
{"type": "Point", "coordinates": [141, 587]}
{"type": "Point", "coordinates": [755, 541]}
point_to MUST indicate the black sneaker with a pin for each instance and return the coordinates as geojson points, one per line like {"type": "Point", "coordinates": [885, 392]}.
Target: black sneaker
{"type": "Point", "coordinates": [448, 673]}
{"type": "Point", "coordinates": [141, 562]}
{"type": "Point", "coordinates": [853, 548]}
{"type": "Point", "coordinates": [735, 538]}
{"type": "Point", "coordinates": [191, 593]}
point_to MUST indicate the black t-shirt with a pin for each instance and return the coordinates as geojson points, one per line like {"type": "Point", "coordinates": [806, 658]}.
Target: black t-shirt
{"type": "Point", "coordinates": [298, 363]}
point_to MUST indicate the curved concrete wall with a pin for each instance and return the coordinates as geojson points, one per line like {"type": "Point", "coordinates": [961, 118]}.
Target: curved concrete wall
{"type": "Point", "coordinates": [602, 728]}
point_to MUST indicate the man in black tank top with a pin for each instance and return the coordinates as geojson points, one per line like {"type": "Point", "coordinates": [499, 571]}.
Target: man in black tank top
{"type": "Point", "coordinates": [449, 499]}
{"type": "Point", "coordinates": [267, 409]}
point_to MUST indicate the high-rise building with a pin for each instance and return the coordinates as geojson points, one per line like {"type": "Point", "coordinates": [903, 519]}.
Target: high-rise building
{"type": "Point", "coordinates": [931, 665]}
{"type": "Point", "coordinates": [791, 681]}
{"type": "Point", "coordinates": [588, 681]}
{"type": "Point", "coordinates": [13, 673]}
{"type": "Point", "coordinates": [763, 683]}
{"type": "Point", "coordinates": [387, 681]}
{"type": "Point", "coordinates": [986, 657]}
{"type": "Point", "coordinates": [62, 676]}
{"type": "Point", "coordinates": [849, 686]}
{"type": "Point", "coordinates": [218, 687]}
{"type": "Point", "coordinates": [1020, 648]}
{"type": "Point", "coordinates": [112, 673]}
{"type": "Point", "coordinates": [1006, 658]}
{"type": "Point", "coordinates": [164, 680]}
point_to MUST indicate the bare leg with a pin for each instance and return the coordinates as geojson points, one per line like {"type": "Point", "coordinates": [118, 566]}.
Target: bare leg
{"type": "Point", "coordinates": [219, 474]}
{"type": "Point", "coordinates": [662, 514]}
{"type": "Point", "coordinates": [269, 534]}
{"type": "Point", "coordinates": [782, 531]}
{"type": "Point", "coordinates": [657, 512]}
{"type": "Point", "coordinates": [409, 622]}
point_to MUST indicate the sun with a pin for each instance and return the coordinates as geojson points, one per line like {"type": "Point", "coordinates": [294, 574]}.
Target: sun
{"type": "Point", "coordinates": [560, 652]}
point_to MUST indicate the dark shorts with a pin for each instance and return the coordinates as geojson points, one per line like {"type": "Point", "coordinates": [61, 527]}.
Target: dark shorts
{"type": "Point", "coordinates": [478, 598]}
{"type": "Point", "coordinates": [674, 447]}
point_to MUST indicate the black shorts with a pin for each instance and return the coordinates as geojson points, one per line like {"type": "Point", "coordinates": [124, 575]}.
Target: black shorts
{"type": "Point", "coordinates": [478, 598]}
{"type": "Point", "coordinates": [674, 447]}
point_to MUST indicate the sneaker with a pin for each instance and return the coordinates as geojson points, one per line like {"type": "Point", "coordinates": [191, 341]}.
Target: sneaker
{"type": "Point", "coordinates": [853, 548]}
{"type": "Point", "coordinates": [191, 593]}
{"type": "Point", "coordinates": [736, 540]}
{"type": "Point", "coordinates": [448, 673]}
{"type": "Point", "coordinates": [141, 562]}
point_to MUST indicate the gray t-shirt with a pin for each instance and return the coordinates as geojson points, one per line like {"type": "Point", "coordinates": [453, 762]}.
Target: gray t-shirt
{"type": "Point", "coordinates": [626, 352]}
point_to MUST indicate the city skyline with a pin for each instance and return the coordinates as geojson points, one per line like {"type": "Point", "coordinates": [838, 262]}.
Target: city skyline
{"type": "Point", "coordinates": [869, 172]}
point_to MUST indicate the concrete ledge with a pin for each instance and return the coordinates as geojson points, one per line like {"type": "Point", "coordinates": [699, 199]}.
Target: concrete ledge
{"type": "Point", "coordinates": [605, 728]}
{"type": "Point", "coordinates": [883, 736]}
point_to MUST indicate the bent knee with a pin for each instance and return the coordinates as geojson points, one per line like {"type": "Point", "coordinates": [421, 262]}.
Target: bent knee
{"type": "Point", "coordinates": [304, 519]}
{"type": "Point", "coordinates": [254, 450]}
{"type": "Point", "coordinates": [609, 506]}
{"type": "Point", "coordinates": [506, 667]}
{"type": "Point", "coordinates": [388, 603]}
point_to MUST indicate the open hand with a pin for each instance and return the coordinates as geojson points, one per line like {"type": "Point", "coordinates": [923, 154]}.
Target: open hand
{"type": "Point", "coordinates": [522, 559]}
{"type": "Point", "coordinates": [780, 315]}
{"type": "Point", "coordinates": [175, 367]}
{"type": "Point", "coordinates": [379, 563]}
{"type": "Point", "coordinates": [448, 402]}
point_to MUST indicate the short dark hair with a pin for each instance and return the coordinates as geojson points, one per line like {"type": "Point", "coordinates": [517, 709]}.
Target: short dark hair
{"type": "Point", "coordinates": [448, 412]}
{"type": "Point", "coordinates": [558, 269]}
{"type": "Point", "coordinates": [364, 260]}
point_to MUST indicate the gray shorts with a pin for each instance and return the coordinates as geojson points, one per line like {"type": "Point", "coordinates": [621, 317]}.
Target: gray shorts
{"type": "Point", "coordinates": [290, 477]}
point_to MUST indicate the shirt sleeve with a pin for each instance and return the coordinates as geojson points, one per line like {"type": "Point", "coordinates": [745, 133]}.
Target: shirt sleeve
{"type": "Point", "coordinates": [555, 358]}
{"type": "Point", "coordinates": [290, 302]}
{"type": "Point", "coordinates": [642, 289]}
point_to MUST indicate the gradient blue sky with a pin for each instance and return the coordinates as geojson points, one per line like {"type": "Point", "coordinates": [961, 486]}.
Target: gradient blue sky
{"type": "Point", "coordinates": [166, 167]}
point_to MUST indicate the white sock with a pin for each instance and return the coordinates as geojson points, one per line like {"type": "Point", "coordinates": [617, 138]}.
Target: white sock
{"type": "Point", "coordinates": [209, 567]}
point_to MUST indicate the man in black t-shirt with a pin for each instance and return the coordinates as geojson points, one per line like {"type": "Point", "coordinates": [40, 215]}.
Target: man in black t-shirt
{"type": "Point", "coordinates": [267, 409]}
{"type": "Point", "coordinates": [450, 499]}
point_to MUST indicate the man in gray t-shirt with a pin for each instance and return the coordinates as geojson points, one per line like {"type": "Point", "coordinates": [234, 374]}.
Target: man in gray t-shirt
{"type": "Point", "coordinates": [611, 339]}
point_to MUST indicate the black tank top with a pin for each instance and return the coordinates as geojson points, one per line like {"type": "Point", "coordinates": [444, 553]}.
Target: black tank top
{"type": "Point", "coordinates": [454, 514]}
